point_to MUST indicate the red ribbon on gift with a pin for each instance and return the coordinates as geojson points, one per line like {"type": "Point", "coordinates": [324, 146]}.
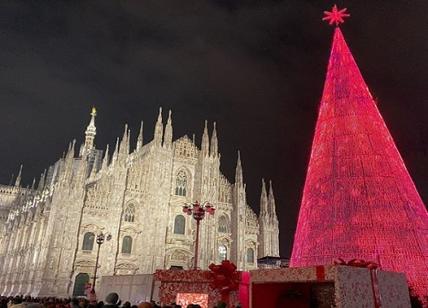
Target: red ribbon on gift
{"type": "Point", "coordinates": [320, 271]}
{"type": "Point", "coordinates": [373, 267]}
{"type": "Point", "coordinates": [225, 278]}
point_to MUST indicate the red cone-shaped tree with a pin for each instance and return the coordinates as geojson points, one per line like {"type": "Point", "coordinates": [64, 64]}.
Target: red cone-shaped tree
{"type": "Point", "coordinates": [359, 200]}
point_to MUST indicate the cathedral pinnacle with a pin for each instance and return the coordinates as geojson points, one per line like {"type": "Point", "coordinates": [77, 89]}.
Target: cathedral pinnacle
{"type": "Point", "coordinates": [124, 144]}
{"type": "Point", "coordinates": [158, 136]}
{"type": "Point", "coordinates": [271, 203]}
{"type": "Point", "coordinates": [105, 159]}
{"type": "Point", "coordinates": [238, 172]}
{"type": "Point", "coordinates": [41, 184]}
{"type": "Point", "coordinates": [167, 142]}
{"type": "Point", "coordinates": [205, 146]}
{"type": "Point", "coordinates": [18, 178]}
{"type": "Point", "coordinates": [140, 137]}
{"type": "Point", "coordinates": [263, 200]}
{"type": "Point", "coordinates": [214, 142]}
{"type": "Point", "coordinates": [116, 151]}
{"type": "Point", "coordinates": [90, 133]}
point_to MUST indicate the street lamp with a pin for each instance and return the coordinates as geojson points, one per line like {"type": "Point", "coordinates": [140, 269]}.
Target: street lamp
{"type": "Point", "coordinates": [198, 212]}
{"type": "Point", "coordinates": [100, 240]}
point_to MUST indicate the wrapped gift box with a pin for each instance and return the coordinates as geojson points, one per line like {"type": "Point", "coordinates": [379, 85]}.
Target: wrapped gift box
{"type": "Point", "coordinates": [324, 286]}
{"type": "Point", "coordinates": [196, 286]}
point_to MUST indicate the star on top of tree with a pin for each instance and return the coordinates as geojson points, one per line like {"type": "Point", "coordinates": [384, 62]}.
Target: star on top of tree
{"type": "Point", "coordinates": [335, 16]}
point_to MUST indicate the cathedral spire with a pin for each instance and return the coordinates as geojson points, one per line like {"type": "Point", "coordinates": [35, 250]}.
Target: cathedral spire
{"type": "Point", "coordinates": [70, 152]}
{"type": "Point", "coordinates": [140, 137]}
{"type": "Point", "coordinates": [90, 133]}
{"type": "Point", "coordinates": [272, 205]}
{"type": "Point", "coordinates": [124, 143]}
{"type": "Point", "coordinates": [238, 172]}
{"type": "Point", "coordinates": [158, 129]}
{"type": "Point", "coordinates": [18, 178]}
{"type": "Point", "coordinates": [214, 142]}
{"type": "Point", "coordinates": [263, 201]}
{"type": "Point", "coordinates": [167, 142]}
{"type": "Point", "coordinates": [42, 180]}
{"type": "Point", "coordinates": [105, 159]}
{"type": "Point", "coordinates": [116, 151]}
{"type": "Point", "coordinates": [205, 146]}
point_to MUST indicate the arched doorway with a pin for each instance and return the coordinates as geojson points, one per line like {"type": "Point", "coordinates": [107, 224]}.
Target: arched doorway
{"type": "Point", "coordinates": [79, 284]}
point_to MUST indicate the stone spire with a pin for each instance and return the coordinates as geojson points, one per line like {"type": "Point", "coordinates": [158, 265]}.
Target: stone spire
{"type": "Point", "coordinates": [105, 159]}
{"type": "Point", "coordinates": [274, 225]}
{"type": "Point", "coordinates": [205, 146]}
{"type": "Point", "coordinates": [68, 162]}
{"type": "Point", "coordinates": [272, 206]}
{"type": "Point", "coordinates": [158, 129]}
{"type": "Point", "coordinates": [263, 201]}
{"type": "Point", "coordinates": [140, 137]}
{"type": "Point", "coordinates": [18, 178]}
{"type": "Point", "coordinates": [214, 142]}
{"type": "Point", "coordinates": [70, 152]}
{"type": "Point", "coordinates": [90, 133]}
{"type": "Point", "coordinates": [124, 143]}
{"type": "Point", "coordinates": [42, 180]}
{"type": "Point", "coordinates": [167, 140]}
{"type": "Point", "coordinates": [116, 151]}
{"type": "Point", "coordinates": [239, 180]}
{"type": "Point", "coordinates": [33, 184]}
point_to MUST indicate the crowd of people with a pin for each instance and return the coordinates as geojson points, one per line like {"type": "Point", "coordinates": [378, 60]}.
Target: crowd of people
{"type": "Point", "coordinates": [111, 301]}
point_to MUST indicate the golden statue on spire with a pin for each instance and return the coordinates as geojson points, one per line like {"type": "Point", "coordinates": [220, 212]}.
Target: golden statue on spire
{"type": "Point", "coordinates": [94, 112]}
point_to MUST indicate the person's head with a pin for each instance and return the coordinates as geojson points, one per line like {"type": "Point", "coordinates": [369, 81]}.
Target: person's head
{"type": "Point", "coordinates": [145, 305]}
{"type": "Point", "coordinates": [74, 301]}
{"type": "Point", "coordinates": [126, 304]}
{"type": "Point", "coordinates": [112, 298]}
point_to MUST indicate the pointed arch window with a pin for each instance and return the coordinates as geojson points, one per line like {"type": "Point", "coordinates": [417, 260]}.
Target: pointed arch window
{"type": "Point", "coordinates": [223, 224]}
{"type": "Point", "coordinates": [179, 224]}
{"type": "Point", "coordinates": [181, 184]}
{"type": "Point", "coordinates": [127, 244]}
{"type": "Point", "coordinates": [250, 255]}
{"type": "Point", "coordinates": [129, 213]}
{"type": "Point", "coordinates": [88, 241]}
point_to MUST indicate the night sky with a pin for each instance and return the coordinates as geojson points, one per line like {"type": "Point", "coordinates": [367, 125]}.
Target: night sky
{"type": "Point", "coordinates": [255, 67]}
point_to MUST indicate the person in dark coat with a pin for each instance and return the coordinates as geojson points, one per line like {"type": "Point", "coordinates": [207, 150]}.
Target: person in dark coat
{"type": "Point", "coordinates": [112, 300]}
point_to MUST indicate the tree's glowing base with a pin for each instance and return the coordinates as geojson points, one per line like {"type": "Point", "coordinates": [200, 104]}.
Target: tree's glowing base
{"type": "Point", "coordinates": [359, 200]}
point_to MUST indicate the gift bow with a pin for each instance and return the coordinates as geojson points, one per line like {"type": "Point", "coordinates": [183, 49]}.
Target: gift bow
{"type": "Point", "coordinates": [225, 277]}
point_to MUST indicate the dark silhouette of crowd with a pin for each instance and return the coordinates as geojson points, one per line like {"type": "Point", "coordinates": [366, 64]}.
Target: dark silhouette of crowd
{"type": "Point", "coordinates": [111, 301]}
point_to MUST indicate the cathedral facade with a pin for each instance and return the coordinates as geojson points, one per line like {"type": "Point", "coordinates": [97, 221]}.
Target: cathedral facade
{"type": "Point", "coordinates": [135, 198]}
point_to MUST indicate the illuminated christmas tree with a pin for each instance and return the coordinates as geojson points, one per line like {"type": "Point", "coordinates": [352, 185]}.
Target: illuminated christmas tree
{"type": "Point", "coordinates": [359, 200]}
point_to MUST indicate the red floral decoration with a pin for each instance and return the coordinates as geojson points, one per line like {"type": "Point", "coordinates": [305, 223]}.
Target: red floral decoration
{"type": "Point", "coordinates": [225, 278]}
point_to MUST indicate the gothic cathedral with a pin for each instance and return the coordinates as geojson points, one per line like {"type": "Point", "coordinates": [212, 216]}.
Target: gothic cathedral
{"type": "Point", "coordinates": [48, 233]}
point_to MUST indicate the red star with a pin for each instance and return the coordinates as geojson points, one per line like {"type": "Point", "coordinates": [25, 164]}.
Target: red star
{"type": "Point", "coordinates": [335, 16]}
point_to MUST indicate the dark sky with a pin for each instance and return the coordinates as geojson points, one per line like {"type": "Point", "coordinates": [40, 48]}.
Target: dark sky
{"type": "Point", "coordinates": [255, 67]}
